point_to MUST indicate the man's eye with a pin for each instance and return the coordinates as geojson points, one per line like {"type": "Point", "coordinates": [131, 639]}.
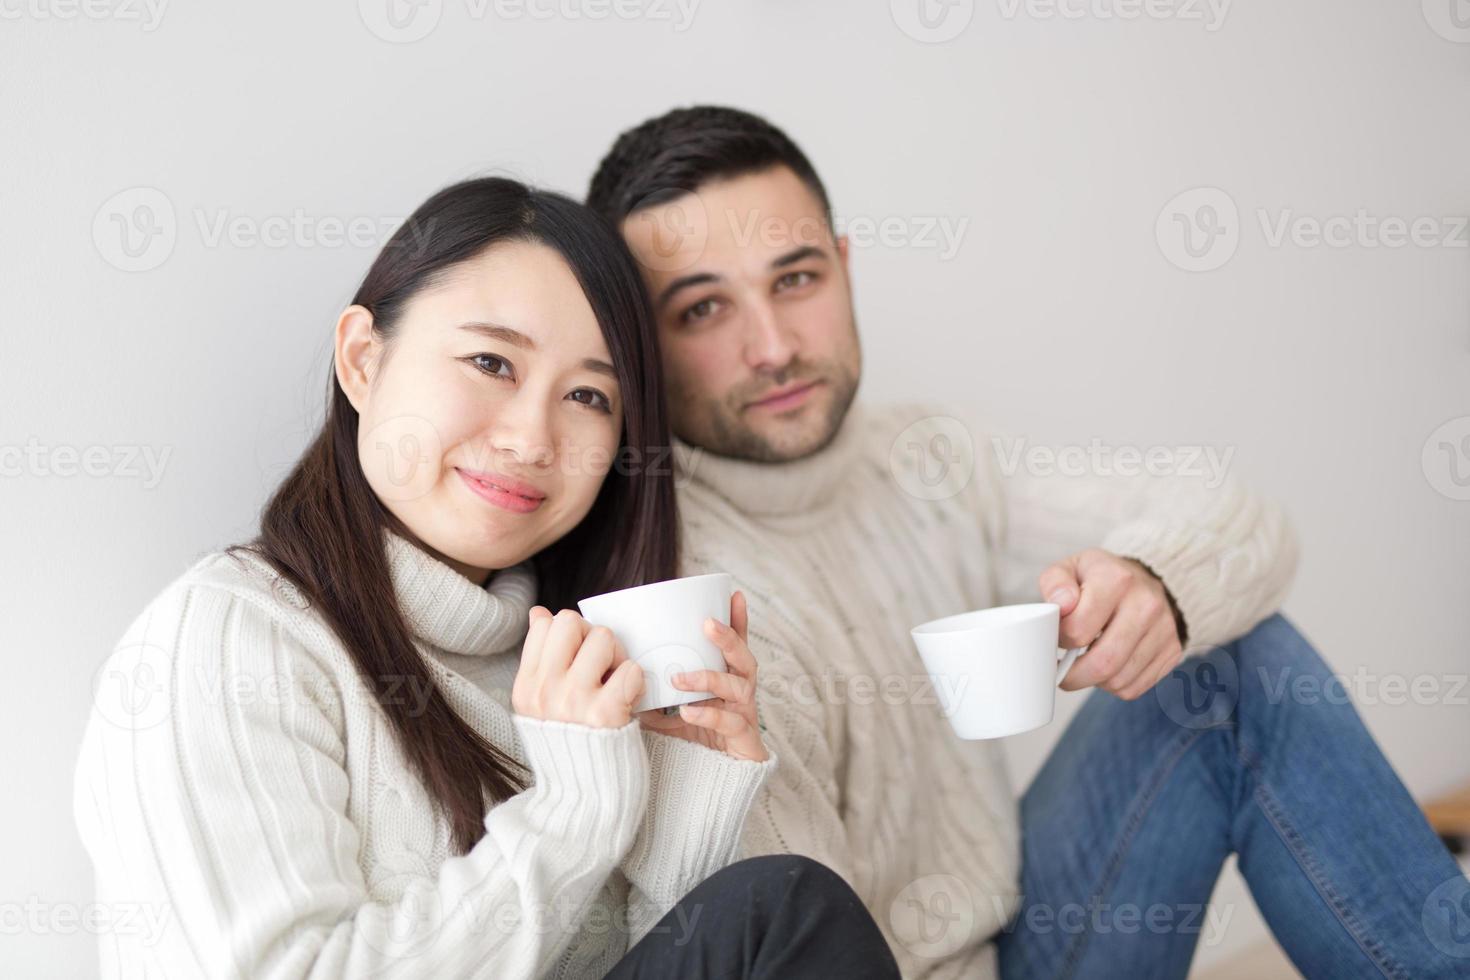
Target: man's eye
{"type": "Point", "coordinates": [698, 311]}
{"type": "Point", "coordinates": [496, 366]}
{"type": "Point", "coordinates": [793, 279]}
{"type": "Point", "coordinates": [592, 398]}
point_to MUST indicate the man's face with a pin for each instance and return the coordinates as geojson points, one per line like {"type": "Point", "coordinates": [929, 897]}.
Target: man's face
{"type": "Point", "coordinates": [754, 308]}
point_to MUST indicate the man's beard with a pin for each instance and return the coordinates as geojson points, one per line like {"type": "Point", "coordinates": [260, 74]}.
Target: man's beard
{"type": "Point", "coordinates": [727, 433]}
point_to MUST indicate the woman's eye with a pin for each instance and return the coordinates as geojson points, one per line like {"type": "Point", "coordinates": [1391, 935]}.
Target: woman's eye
{"type": "Point", "coordinates": [698, 311]}
{"type": "Point", "coordinates": [793, 279]}
{"type": "Point", "coordinates": [592, 398]}
{"type": "Point", "coordinates": [492, 365]}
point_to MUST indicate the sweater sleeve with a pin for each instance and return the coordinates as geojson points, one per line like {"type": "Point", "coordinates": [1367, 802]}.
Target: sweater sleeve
{"type": "Point", "coordinates": [698, 799]}
{"type": "Point", "coordinates": [1226, 554]}
{"type": "Point", "coordinates": [231, 811]}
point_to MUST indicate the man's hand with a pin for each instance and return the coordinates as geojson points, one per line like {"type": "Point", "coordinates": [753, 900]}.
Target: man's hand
{"type": "Point", "coordinates": [1121, 609]}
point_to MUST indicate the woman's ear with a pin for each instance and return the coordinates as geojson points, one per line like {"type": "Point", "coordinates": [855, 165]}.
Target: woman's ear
{"type": "Point", "coordinates": [356, 354]}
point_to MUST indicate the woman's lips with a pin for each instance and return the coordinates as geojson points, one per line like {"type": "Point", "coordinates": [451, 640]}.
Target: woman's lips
{"type": "Point", "coordinates": [786, 398]}
{"type": "Point", "coordinates": [503, 492]}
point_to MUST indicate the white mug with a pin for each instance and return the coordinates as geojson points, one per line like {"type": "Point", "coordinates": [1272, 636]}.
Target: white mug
{"type": "Point", "coordinates": [662, 627]}
{"type": "Point", "coordinates": [996, 670]}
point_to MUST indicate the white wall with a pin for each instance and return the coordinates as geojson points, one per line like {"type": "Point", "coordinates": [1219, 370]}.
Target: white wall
{"type": "Point", "coordinates": [1061, 316]}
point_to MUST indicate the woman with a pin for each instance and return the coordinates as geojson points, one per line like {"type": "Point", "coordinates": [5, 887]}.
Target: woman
{"type": "Point", "coordinates": [360, 750]}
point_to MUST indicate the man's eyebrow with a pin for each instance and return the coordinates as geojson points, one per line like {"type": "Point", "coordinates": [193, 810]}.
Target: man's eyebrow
{"type": "Point", "coordinates": [797, 254]}
{"type": "Point", "coordinates": [497, 332]}
{"type": "Point", "coordinates": [683, 282]}
{"type": "Point", "coordinates": [513, 336]}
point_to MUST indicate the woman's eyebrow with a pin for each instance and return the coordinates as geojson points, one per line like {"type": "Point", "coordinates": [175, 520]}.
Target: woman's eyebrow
{"type": "Point", "coordinates": [513, 336]}
{"type": "Point", "coordinates": [497, 332]}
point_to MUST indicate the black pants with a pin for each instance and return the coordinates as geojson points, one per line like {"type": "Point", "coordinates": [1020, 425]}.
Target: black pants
{"type": "Point", "coordinates": [766, 918]}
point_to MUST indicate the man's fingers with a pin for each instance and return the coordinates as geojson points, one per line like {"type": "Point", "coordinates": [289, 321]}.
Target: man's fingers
{"type": "Point", "coordinates": [1059, 585]}
{"type": "Point", "coordinates": [1111, 657]}
{"type": "Point", "coordinates": [1163, 642]}
{"type": "Point", "coordinates": [1103, 585]}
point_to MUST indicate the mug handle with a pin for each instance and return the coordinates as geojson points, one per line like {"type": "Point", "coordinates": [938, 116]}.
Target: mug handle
{"type": "Point", "coordinates": [1066, 660]}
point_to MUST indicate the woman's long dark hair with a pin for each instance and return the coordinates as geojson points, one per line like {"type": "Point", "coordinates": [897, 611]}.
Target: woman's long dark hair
{"type": "Point", "coordinates": [322, 529]}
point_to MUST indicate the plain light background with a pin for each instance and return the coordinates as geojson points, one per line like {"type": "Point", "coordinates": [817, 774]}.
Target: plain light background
{"type": "Point", "coordinates": [1339, 374]}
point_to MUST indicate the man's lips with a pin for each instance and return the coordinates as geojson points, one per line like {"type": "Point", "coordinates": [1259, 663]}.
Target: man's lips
{"type": "Point", "coordinates": [786, 398]}
{"type": "Point", "coordinates": [502, 491]}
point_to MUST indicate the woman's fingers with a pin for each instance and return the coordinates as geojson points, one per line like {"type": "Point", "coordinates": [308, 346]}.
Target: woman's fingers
{"type": "Point", "coordinates": [728, 687]}
{"type": "Point", "coordinates": [563, 640]}
{"type": "Point", "coordinates": [739, 616]}
{"type": "Point", "coordinates": [624, 686]}
{"type": "Point", "coordinates": [737, 655]}
{"type": "Point", "coordinates": [540, 622]}
{"type": "Point", "coordinates": [720, 720]}
{"type": "Point", "coordinates": [593, 658]}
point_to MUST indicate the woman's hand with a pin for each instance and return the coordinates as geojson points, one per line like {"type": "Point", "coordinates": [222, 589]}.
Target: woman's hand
{"type": "Point", "coordinates": [571, 671]}
{"type": "Point", "coordinates": [726, 722]}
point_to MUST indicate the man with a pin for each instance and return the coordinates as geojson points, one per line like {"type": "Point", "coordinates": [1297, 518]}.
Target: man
{"type": "Point", "coordinates": [846, 524]}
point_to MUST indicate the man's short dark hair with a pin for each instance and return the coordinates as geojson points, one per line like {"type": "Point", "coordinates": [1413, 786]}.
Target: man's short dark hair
{"type": "Point", "coordinates": [677, 153]}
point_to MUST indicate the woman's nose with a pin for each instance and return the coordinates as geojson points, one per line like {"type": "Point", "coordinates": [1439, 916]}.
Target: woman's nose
{"type": "Point", "coordinates": [522, 430]}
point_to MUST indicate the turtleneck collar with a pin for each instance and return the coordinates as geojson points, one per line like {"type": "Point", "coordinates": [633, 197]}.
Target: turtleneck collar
{"type": "Point", "coordinates": [447, 611]}
{"type": "Point", "coordinates": [776, 489]}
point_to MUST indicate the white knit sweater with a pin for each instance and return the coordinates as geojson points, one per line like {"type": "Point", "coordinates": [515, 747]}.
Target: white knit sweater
{"type": "Point", "coordinates": [239, 783]}
{"type": "Point", "coordinates": [906, 517]}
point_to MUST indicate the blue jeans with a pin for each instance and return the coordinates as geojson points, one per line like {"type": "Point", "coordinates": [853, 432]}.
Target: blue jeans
{"type": "Point", "coordinates": [1252, 749]}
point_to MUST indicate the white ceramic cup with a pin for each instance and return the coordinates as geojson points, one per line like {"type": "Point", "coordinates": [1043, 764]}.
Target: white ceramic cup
{"type": "Point", "coordinates": [996, 670]}
{"type": "Point", "coordinates": [662, 627]}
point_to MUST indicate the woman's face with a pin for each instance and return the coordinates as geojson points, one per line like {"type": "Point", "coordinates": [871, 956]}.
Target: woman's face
{"type": "Point", "coordinates": [488, 422]}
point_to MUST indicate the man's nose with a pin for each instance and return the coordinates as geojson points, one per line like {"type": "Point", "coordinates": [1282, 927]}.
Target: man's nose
{"type": "Point", "coordinates": [768, 343]}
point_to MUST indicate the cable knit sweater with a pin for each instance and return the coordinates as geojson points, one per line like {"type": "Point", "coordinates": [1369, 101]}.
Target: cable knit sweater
{"type": "Point", "coordinates": [905, 517]}
{"type": "Point", "coordinates": [239, 782]}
